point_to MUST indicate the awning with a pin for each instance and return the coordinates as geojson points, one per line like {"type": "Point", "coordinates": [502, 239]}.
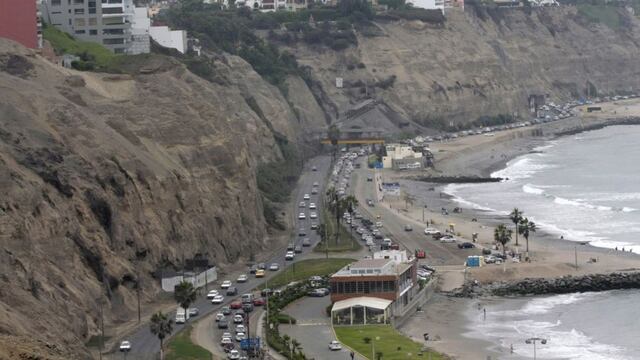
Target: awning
{"type": "Point", "coordinates": [367, 301]}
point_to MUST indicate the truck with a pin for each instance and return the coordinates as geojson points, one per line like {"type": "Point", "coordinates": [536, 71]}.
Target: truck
{"type": "Point", "coordinates": [181, 316]}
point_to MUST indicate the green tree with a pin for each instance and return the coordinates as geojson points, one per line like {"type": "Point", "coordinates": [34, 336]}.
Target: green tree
{"type": "Point", "coordinates": [161, 326]}
{"type": "Point", "coordinates": [502, 235]}
{"type": "Point", "coordinates": [334, 136]}
{"type": "Point", "coordinates": [516, 217]}
{"type": "Point", "coordinates": [526, 228]}
{"type": "Point", "coordinates": [185, 295]}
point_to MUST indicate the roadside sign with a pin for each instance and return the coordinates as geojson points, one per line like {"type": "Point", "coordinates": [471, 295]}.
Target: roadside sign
{"type": "Point", "coordinates": [251, 343]}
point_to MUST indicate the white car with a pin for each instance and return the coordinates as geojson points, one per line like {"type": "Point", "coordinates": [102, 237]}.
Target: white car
{"type": "Point", "coordinates": [219, 316]}
{"type": "Point", "coordinates": [447, 239]}
{"type": "Point", "coordinates": [240, 336]}
{"type": "Point", "coordinates": [240, 329]}
{"type": "Point", "coordinates": [431, 231]}
{"type": "Point", "coordinates": [290, 255]}
{"type": "Point", "coordinates": [335, 345]}
{"type": "Point", "coordinates": [274, 267]}
{"type": "Point", "coordinates": [316, 184]}
{"type": "Point", "coordinates": [226, 284]}
{"type": "Point", "coordinates": [218, 299]}
{"type": "Point", "coordinates": [302, 204]}
{"type": "Point", "coordinates": [379, 224]}
{"type": "Point", "coordinates": [212, 294]}
{"type": "Point", "coordinates": [233, 355]}
{"type": "Point", "coordinates": [238, 319]}
{"type": "Point", "coordinates": [125, 346]}
{"type": "Point", "coordinates": [226, 341]}
{"type": "Point", "coordinates": [302, 216]}
{"type": "Point", "coordinates": [242, 278]}
{"type": "Point", "coordinates": [312, 206]}
{"type": "Point", "coordinates": [306, 197]}
{"type": "Point", "coordinates": [313, 215]}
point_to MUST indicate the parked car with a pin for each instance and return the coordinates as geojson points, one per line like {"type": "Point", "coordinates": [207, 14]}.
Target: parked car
{"type": "Point", "coordinates": [125, 346]}
{"type": "Point", "coordinates": [335, 346]}
{"type": "Point", "coordinates": [466, 245]}
{"type": "Point", "coordinates": [242, 278]}
{"type": "Point", "coordinates": [431, 231]}
{"type": "Point", "coordinates": [316, 293]}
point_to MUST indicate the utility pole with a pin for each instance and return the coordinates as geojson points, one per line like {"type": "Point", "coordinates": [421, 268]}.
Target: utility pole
{"type": "Point", "coordinates": [575, 248]}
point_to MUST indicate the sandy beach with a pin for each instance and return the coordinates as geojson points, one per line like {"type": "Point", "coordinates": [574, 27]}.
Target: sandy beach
{"type": "Point", "coordinates": [448, 318]}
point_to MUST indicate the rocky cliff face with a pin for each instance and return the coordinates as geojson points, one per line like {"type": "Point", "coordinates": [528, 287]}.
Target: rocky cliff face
{"type": "Point", "coordinates": [482, 62]}
{"type": "Point", "coordinates": [104, 177]}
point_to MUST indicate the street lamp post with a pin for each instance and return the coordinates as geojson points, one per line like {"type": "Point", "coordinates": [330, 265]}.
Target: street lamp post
{"type": "Point", "coordinates": [534, 340]}
{"type": "Point", "coordinates": [373, 347]}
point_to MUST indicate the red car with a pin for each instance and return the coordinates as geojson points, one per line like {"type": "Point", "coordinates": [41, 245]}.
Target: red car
{"type": "Point", "coordinates": [258, 302]}
{"type": "Point", "coordinates": [420, 254]}
{"type": "Point", "coordinates": [237, 304]}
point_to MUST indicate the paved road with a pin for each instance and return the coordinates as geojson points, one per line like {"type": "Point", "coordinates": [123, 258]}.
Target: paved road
{"type": "Point", "coordinates": [394, 222]}
{"type": "Point", "coordinates": [313, 329]}
{"type": "Point", "coordinates": [145, 345]}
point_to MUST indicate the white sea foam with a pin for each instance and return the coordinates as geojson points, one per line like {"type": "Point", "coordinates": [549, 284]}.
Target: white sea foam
{"type": "Point", "coordinates": [521, 168]}
{"type": "Point", "coordinates": [452, 190]}
{"type": "Point", "coordinates": [530, 189]}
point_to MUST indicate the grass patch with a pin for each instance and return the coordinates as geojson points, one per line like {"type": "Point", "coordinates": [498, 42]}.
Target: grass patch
{"type": "Point", "coordinates": [346, 241]}
{"type": "Point", "coordinates": [392, 344]}
{"type": "Point", "coordinates": [95, 56]}
{"type": "Point", "coordinates": [604, 14]}
{"type": "Point", "coordinates": [304, 269]}
{"type": "Point", "coordinates": [181, 348]}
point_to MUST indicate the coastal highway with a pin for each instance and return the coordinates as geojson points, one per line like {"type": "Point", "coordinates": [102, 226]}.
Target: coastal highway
{"type": "Point", "coordinates": [146, 346]}
{"type": "Point", "coordinates": [394, 221]}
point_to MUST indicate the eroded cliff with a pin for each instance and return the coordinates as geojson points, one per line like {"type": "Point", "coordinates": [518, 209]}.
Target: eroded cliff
{"type": "Point", "coordinates": [105, 178]}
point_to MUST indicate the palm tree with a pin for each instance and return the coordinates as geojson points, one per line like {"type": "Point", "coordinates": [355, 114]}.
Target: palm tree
{"type": "Point", "coordinates": [516, 217]}
{"type": "Point", "coordinates": [161, 326]}
{"type": "Point", "coordinates": [185, 295]}
{"type": "Point", "coordinates": [296, 346]}
{"type": "Point", "coordinates": [502, 235]}
{"type": "Point", "coordinates": [526, 228]}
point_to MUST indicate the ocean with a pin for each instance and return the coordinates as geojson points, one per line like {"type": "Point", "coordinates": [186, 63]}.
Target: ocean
{"type": "Point", "coordinates": [585, 326]}
{"type": "Point", "coordinates": [583, 187]}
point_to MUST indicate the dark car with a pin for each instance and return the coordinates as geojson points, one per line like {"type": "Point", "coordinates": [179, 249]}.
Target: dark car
{"type": "Point", "coordinates": [298, 249]}
{"type": "Point", "coordinates": [291, 246]}
{"type": "Point", "coordinates": [266, 292]}
{"type": "Point", "coordinates": [226, 310]}
{"type": "Point", "coordinates": [306, 242]}
{"type": "Point", "coordinates": [316, 293]}
{"type": "Point", "coordinates": [223, 324]}
{"type": "Point", "coordinates": [302, 232]}
{"type": "Point", "coordinates": [466, 245]}
{"type": "Point", "coordinates": [247, 307]}
{"type": "Point", "coordinates": [262, 266]}
{"type": "Point", "coordinates": [236, 304]}
{"type": "Point", "coordinates": [232, 291]}
{"type": "Point", "coordinates": [253, 269]}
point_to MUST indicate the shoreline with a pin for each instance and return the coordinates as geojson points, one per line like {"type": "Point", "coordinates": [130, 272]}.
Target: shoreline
{"type": "Point", "coordinates": [552, 257]}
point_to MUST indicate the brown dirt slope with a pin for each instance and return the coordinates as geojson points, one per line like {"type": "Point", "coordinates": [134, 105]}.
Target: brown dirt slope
{"type": "Point", "coordinates": [101, 172]}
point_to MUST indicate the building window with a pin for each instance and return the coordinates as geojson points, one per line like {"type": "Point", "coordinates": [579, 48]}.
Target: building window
{"type": "Point", "coordinates": [79, 32]}
{"type": "Point", "coordinates": [56, 2]}
{"type": "Point", "coordinates": [113, 41]}
{"type": "Point", "coordinates": [360, 287]}
{"type": "Point", "coordinates": [93, 32]}
{"type": "Point", "coordinates": [112, 11]}
{"type": "Point", "coordinates": [78, 11]}
{"type": "Point", "coordinates": [78, 2]}
{"type": "Point", "coordinates": [366, 289]}
{"type": "Point", "coordinates": [93, 22]}
{"type": "Point", "coordinates": [113, 32]}
{"type": "Point", "coordinates": [119, 51]}
{"type": "Point", "coordinates": [79, 22]}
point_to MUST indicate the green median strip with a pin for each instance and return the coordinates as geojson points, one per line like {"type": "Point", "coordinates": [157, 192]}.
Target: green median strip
{"type": "Point", "coordinates": [347, 239]}
{"type": "Point", "coordinates": [182, 348]}
{"type": "Point", "coordinates": [383, 340]}
{"type": "Point", "coordinates": [303, 270]}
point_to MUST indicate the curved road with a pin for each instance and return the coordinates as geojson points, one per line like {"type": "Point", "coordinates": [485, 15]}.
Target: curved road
{"type": "Point", "coordinates": [146, 346]}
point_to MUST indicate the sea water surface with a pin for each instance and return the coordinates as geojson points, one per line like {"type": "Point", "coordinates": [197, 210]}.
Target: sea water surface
{"type": "Point", "coordinates": [584, 187]}
{"type": "Point", "coordinates": [585, 326]}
